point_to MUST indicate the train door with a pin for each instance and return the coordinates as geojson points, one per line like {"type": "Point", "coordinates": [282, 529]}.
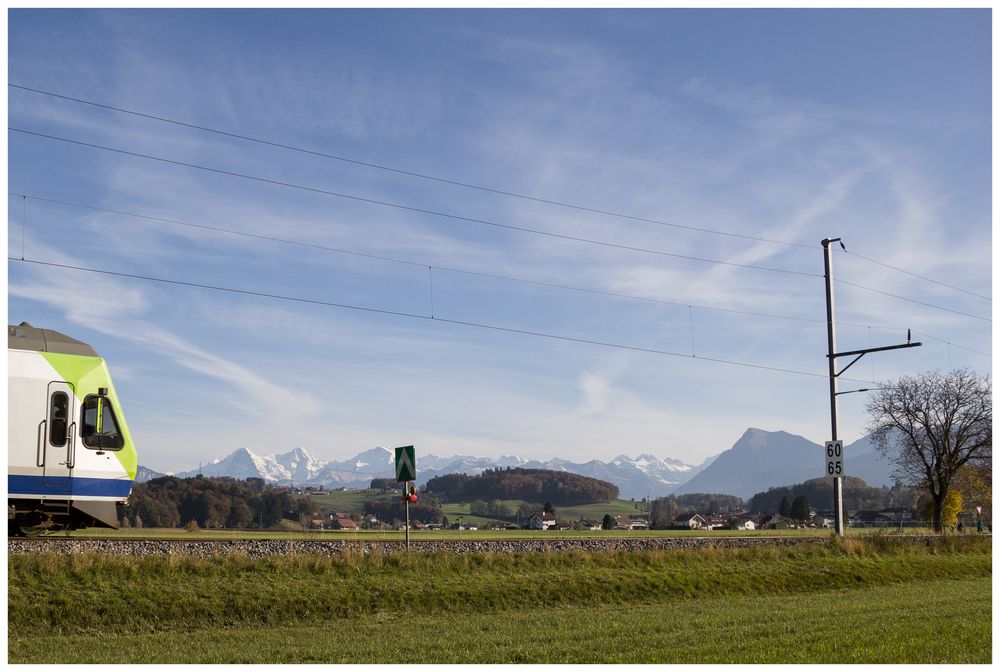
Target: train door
{"type": "Point", "coordinates": [59, 435]}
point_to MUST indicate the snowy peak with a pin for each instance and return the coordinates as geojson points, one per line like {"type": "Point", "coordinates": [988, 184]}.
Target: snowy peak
{"type": "Point", "coordinates": [242, 463]}
{"type": "Point", "coordinates": [378, 460]}
{"type": "Point", "coordinates": [300, 465]}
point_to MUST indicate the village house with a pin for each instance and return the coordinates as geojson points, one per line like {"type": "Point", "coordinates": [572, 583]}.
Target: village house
{"type": "Point", "coordinates": [873, 519]}
{"type": "Point", "coordinates": [627, 523]}
{"type": "Point", "coordinates": [715, 523]}
{"type": "Point", "coordinates": [688, 521]}
{"type": "Point", "coordinates": [342, 523]}
{"type": "Point", "coordinates": [541, 521]}
{"type": "Point", "coordinates": [825, 519]}
{"type": "Point", "coordinates": [774, 521]}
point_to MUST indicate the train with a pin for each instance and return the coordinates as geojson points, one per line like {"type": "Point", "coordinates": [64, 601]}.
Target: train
{"type": "Point", "coordinates": [71, 461]}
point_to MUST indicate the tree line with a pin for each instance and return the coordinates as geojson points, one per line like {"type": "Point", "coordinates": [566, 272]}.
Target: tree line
{"type": "Point", "coordinates": [561, 488]}
{"type": "Point", "coordinates": [169, 501]}
{"type": "Point", "coordinates": [818, 492]}
{"type": "Point", "coordinates": [427, 509]}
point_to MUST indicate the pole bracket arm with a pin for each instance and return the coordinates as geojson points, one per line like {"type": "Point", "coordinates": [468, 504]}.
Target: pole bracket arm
{"type": "Point", "coordinates": [853, 361]}
{"type": "Point", "coordinates": [862, 353]}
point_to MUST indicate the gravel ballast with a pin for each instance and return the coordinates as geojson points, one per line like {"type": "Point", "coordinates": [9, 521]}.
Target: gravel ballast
{"type": "Point", "coordinates": [277, 547]}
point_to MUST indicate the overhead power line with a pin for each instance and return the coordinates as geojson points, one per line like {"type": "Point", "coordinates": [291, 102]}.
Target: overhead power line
{"type": "Point", "coordinates": [408, 208]}
{"type": "Point", "coordinates": [408, 262]}
{"type": "Point", "coordinates": [951, 343]}
{"type": "Point", "coordinates": [409, 173]}
{"type": "Point", "coordinates": [466, 185]}
{"type": "Point", "coordinates": [480, 325]}
{"type": "Point", "coordinates": [903, 298]}
{"type": "Point", "coordinates": [917, 275]}
{"type": "Point", "coordinates": [432, 267]}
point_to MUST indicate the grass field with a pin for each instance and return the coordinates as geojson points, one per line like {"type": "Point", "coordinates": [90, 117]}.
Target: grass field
{"type": "Point", "coordinates": [617, 507]}
{"type": "Point", "coordinates": [347, 501]}
{"type": "Point", "coordinates": [847, 626]}
{"type": "Point", "coordinates": [876, 601]}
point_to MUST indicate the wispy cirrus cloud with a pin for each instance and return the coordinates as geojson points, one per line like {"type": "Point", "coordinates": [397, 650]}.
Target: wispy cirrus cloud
{"type": "Point", "coordinates": [119, 309]}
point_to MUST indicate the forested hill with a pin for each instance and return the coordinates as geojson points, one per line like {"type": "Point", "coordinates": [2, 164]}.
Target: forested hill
{"type": "Point", "coordinates": [858, 495]}
{"type": "Point", "coordinates": [169, 501]}
{"type": "Point", "coordinates": [560, 488]}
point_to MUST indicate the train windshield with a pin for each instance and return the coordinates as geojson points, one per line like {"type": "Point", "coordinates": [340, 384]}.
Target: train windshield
{"type": "Point", "coordinates": [100, 429]}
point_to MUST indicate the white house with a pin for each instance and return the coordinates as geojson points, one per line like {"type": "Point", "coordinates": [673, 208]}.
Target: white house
{"type": "Point", "coordinates": [715, 522]}
{"type": "Point", "coordinates": [541, 521]}
{"type": "Point", "coordinates": [689, 521]}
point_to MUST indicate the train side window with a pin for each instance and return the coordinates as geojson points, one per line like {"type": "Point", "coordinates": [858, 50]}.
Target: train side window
{"type": "Point", "coordinates": [58, 415]}
{"type": "Point", "coordinates": [99, 428]}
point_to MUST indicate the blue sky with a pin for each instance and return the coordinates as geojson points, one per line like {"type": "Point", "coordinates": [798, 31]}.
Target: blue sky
{"type": "Point", "coordinates": [791, 126]}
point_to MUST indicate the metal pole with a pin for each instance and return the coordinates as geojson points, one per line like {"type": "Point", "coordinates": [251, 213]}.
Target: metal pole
{"type": "Point", "coordinates": [831, 337]}
{"type": "Point", "coordinates": [406, 501]}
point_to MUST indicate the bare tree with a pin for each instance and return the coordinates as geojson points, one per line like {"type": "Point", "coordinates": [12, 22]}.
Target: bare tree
{"type": "Point", "coordinates": [932, 424]}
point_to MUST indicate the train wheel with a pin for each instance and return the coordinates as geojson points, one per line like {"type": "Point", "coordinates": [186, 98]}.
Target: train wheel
{"type": "Point", "coordinates": [30, 526]}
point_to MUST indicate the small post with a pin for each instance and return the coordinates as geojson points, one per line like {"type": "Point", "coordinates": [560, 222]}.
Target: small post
{"type": "Point", "coordinates": [406, 502]}
{"type": "Point", "coordinates": [406, 471]}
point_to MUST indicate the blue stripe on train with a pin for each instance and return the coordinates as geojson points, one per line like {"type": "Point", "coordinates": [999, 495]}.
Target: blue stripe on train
{"type": "Point", "coordinates": [75, 486]}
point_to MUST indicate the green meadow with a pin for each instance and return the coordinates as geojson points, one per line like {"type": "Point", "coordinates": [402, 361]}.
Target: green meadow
{"type": "Point", "coordinates": [871, 600]}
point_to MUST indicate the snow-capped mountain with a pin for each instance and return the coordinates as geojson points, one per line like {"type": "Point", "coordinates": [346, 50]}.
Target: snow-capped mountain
{"type": "Point", "coordinates": [296, 466]}
{"type": "Point", "coordinates": [643, 476]}
{"type": "Point", "coordinates": [378, 460]}
{"type": "Point", "coordinates": [300, 465]}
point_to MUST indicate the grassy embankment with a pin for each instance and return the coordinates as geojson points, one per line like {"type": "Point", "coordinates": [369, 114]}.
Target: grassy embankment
{"type": "Point", "coordinates": [878, 600]}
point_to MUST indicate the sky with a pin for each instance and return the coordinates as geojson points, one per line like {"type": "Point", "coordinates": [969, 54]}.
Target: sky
{"type": "Point", "coordinates": [543, 233]}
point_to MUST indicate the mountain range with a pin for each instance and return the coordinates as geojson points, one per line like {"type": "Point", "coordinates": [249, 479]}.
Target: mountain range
{"type": "Point", "coordinates": [643, 476]}
{"type": "Point", "coordinates": [757, 461]}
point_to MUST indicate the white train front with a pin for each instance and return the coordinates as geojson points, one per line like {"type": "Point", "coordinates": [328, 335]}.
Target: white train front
{"type": "Point", "coordinates": [70, 457]}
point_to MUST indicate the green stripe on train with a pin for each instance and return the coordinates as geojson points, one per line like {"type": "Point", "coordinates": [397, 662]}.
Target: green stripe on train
{"type": "Point", "coordinates": [86, 374]}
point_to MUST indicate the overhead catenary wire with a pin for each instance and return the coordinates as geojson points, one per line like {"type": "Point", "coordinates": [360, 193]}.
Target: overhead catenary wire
{"type": "Point", "coordinates": [478, 221]}
{"type": "Point", "coordinates": [408, 208]}
{"type": "Point", "coordinates": [484, 274]}
{"type": "Point", "coordinates": [481, 221]}
{"type": "Point", "coordinates": [467, 185]}
{"type": "Point", "coordinates": [396, 313]}
{"type": "Point", "coordinates": [951, 343]}
{"type": "Point", "coordinates": [917, 275]}
{"type": "Point", "coordinates": [408, 173]}
{"type": "Point", "coordinates": [904, 298]}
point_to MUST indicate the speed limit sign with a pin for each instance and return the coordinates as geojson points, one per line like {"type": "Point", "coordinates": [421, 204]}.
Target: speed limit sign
{"type": "Point", "coordinates": [834, 458]}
